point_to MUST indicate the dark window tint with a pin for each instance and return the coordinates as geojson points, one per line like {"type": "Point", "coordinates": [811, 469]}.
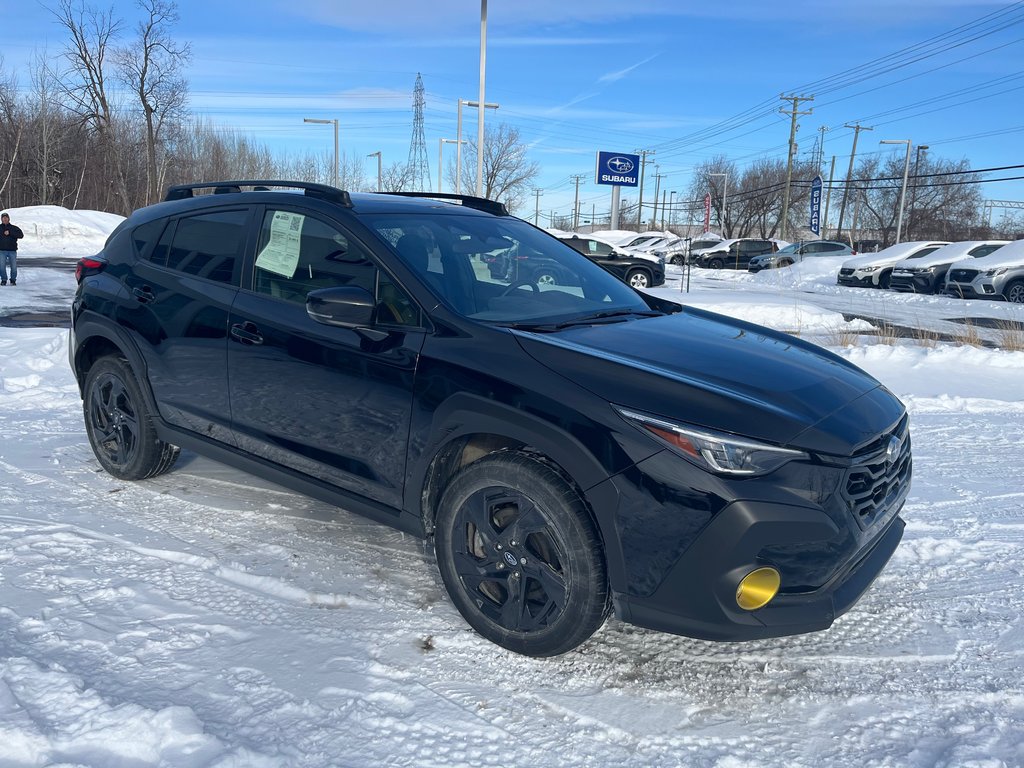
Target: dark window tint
{"type": "Point", "coordinates": [208, 245]}
{"type": "Point", "coordinates": [298, 253]}
{"type": "Point", "coordinates": [984, 250]}
{"type": "Point", "coordinates": [144, 235]}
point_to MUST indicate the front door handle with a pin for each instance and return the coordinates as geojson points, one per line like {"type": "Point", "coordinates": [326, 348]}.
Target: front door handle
{"type": "Point", "coordinates": [247, 333]}
{"type": "Point", "coordinates": [144, 294]}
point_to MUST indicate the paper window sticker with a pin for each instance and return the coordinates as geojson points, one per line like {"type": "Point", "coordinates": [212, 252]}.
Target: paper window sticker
{"type": "Point", "coordinates": [281, 254]}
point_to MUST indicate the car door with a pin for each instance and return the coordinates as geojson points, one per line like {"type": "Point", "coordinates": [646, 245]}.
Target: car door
{"type": "Point", "coordinates": [181, 294]}
{"type": "Point", "coordinates": [330, 402]}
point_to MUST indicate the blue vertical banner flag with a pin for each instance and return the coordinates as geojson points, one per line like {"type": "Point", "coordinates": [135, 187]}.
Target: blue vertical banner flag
{"type": "Point", "coordinates": [816, 205]}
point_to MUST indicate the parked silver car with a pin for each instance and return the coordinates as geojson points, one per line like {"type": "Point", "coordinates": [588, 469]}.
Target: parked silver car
{"type": "Point", "coordinates": [999, 275]}
{"type": "Point", "coordinates": [795, 252]}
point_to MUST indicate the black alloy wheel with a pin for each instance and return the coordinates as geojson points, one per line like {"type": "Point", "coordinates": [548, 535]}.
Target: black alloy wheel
{"type": "Point", "coordinates": [119, 426]}
{"type": "Point", "coordinates": [716, 264]}
{"type": "Point", "coordinates": [520, 556]}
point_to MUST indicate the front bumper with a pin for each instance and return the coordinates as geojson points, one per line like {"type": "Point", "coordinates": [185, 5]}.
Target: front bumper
{"type": "Point", "coordinates": [912, 282]}
{"type": "Point", "coordinates": [856, 281]}
{"type": "Point", "coordinates": [979, 289]}
{"type": "Point", "coordinates": [712, 613]}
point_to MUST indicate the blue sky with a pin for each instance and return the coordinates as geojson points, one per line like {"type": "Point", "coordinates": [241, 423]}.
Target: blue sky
{"type": "Point", "coordinates": [688, 80]}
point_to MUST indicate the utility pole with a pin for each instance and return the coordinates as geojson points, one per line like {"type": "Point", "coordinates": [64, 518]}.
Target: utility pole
{"type": "Point", "coordinates": [793, 113]}
{"type": "Point", "coordinates": [643, 166]}
{"type": "Point", "coordinates": [576, 203]}
{"type": "Point", "coordinates": [849, 174]}
{"type": "Point", "coordinates": [657, 187]}
{"type": "Point", "coordinates": [536, 214]}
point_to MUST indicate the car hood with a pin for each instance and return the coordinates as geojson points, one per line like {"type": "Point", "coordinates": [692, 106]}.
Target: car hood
{"type": "Point", "coordinates": [724, 374]}
{"type": "Point", "coordinates": [1011, 255]}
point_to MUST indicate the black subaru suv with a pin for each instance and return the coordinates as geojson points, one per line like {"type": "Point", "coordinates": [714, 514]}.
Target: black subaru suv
{"type": "Point", "coordinates": [571, 449]}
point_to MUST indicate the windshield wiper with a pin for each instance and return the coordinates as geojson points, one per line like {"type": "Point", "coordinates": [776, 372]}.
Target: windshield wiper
{"type": "Point", "coordinates": [598, 318]}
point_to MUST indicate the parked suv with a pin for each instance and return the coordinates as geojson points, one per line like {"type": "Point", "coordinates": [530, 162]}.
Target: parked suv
{"type": "Point", "coordinates": [633, 269]}
{"type": "Point", "coordinates": [794, 252]}
{"type": "Point", "coordinates": [596, 248]}
{"type": "Point", "coordinates": [571, 449]}
{"type": "Point", "coordinates": [735, 254]}
{"type": "Point", "coordinates": [927, 274]}
{"type": "Point", "coordinates": [874, 270]}
{"type": "Point", "coordinates": [1000, 275]}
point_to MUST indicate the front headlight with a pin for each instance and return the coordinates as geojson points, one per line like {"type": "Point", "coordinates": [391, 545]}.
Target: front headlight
{"type": "Point", "coordinates": [867, 269]}
{"type": "Point", "coordinates": [997, 271]}
{"type": "Point", "coordinates": [716, 452]}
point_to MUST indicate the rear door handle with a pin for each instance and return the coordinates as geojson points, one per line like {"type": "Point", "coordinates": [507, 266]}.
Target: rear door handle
{"type": "Point", "coordinates": [145, 295]}
{"type": "Point", "coordinates": [247, 333]}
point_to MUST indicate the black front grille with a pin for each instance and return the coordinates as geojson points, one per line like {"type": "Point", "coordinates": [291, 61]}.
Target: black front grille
{"type": "Point", "coordinates": [962, 275]}
{"type": "Point", "coordinates": [881, 478]}
{"type": "Point", "coordinates": [845, 271]}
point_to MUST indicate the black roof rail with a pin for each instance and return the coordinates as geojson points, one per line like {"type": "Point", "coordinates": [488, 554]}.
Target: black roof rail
{"type": "Point", "coordinates": [479, 203]}
{"type": "Point", "coordinates": [310, 189]}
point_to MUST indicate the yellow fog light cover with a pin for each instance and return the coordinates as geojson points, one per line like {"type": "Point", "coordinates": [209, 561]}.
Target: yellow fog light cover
{"type": "Point", "coordinates": [757, 588]}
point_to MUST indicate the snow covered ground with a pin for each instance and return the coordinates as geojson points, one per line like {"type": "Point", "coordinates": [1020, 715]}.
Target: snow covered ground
{"type": "Point", "coordinates": [206, 618]}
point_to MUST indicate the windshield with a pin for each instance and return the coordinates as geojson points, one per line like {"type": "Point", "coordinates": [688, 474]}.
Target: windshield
{"type": "Point", "coordinates": [791, 248]}
{"type": "Point", "coordinates": [501, 269]}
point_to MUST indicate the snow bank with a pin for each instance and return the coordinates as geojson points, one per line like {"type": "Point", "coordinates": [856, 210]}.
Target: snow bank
{"type": "Point", "coordinates": [54, 230]}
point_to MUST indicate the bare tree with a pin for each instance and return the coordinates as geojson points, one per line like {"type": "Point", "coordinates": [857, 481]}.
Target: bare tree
{"type": "Point", "coordinates": [396, 177]}
{"type": "Point", "coordinates": [507, 173]}
{"type": "Point", "coordinates": [151, 67]}
{"type": "Point", "coordinates": [92, 35]}
{"type": "Point", "coordinates": [10, 130]}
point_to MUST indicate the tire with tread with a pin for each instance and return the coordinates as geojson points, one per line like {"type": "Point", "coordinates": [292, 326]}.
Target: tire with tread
{"type": "Point", "coordinates": [1014, 292]}
{"type": "Point", "coordinates": [119, 424]}
{"type": "Point", "coordinates": [716, 264]}
{"type": "Point", "coordinates": [520, 555]}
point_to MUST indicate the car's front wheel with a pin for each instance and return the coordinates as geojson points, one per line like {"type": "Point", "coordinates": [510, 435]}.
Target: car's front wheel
{"type": "Point", "coordinates": [638, 278]}
{"type": "Point", "coordinates": [119, 424]}
{"type": "Point", "coordinates": [1015, 292]}
{"type": "Point", "coordinates": [678, 260]}
{"type": "Point", "coordinates": [520, 555]}
{"type": "Point", "coordinates": [716, 264]}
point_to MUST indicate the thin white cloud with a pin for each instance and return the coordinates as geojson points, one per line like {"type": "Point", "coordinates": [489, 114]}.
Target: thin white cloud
{"type": "Point", "coordinates": [613, 77]}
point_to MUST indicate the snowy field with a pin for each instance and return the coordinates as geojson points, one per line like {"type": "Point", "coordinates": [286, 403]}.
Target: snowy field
{"type": "Point", "coordinates": [205, 618]}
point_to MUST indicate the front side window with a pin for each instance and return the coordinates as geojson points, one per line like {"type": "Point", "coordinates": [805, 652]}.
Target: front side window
{"type": "Point", "coordinates": [500, 269]}
{"type": "Point", "coordinates": [298, 253]}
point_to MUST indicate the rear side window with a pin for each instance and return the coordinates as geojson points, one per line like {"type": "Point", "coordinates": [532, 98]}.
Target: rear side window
{"type": "Point", "coordinates": [144, 235]}
{"type": "Point", "coordinates": [206, 245]}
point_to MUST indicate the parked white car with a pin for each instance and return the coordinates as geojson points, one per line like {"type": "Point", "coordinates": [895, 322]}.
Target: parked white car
{"type": "Point", "coordinates": [1000, 275]}
{"type": "Point", "coordinates": [874, 270]}
{"type": "Point", "coordinates": [927, 274]}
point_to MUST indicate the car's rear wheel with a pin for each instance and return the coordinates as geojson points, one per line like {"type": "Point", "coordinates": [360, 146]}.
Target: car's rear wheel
{"type": "Point", "coordinates": [1015, 292]}
{"type": "Point", "coordinates": [520, 555]}
{"type": "Point", "coordinates": [119, 425]}
{"type": "Point", "coordinates": [638, 278]}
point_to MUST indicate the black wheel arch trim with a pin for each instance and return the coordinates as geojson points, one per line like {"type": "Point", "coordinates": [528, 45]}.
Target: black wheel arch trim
{"type": "Point", "coordinates": [464, 415]}
{"type": "Point", "coordinates": [87, 330]}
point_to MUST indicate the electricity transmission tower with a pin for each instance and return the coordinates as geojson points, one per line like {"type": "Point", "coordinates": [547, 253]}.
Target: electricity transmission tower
{"type": "Point", "coordinates": [419, 168]}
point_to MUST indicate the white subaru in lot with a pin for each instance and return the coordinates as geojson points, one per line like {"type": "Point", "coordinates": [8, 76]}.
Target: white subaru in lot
{"type": "Point", "coordinates": [874, 270]}
{"type": "Point", "coordinates": [927, 274]}
{"type": "Point", "coordinates": [1000, 275]}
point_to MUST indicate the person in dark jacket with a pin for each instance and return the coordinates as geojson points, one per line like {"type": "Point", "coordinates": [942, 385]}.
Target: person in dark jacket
{"type": "Point", "coordinates": [9, 237]}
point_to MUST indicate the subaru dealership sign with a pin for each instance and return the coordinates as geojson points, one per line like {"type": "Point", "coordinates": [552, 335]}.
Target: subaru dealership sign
{"type": "Point", "coordinates": [618, 169]}
{"type": "Point", "coordinates": [815, 223]}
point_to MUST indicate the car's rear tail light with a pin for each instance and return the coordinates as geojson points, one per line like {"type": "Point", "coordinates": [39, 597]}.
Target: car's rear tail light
{"type": "Point", "coordinates": [88, 265]}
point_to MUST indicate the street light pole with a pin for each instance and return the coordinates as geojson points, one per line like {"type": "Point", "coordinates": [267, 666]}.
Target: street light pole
{"type": "Point", "coordinates": [480, 112]}
{"type": "Point", "coordinates": [319, 121]}
{"type": "Point", "coordinates": [458, 137]}
{"type": "Point", "coordinates": [903, 191]}
{"type": "Point", "coordinates": [725, 196]}
{"type": "Point", "coordinates": [380, 170]}
{"type": "Point", "coordinates": [912, 218]}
